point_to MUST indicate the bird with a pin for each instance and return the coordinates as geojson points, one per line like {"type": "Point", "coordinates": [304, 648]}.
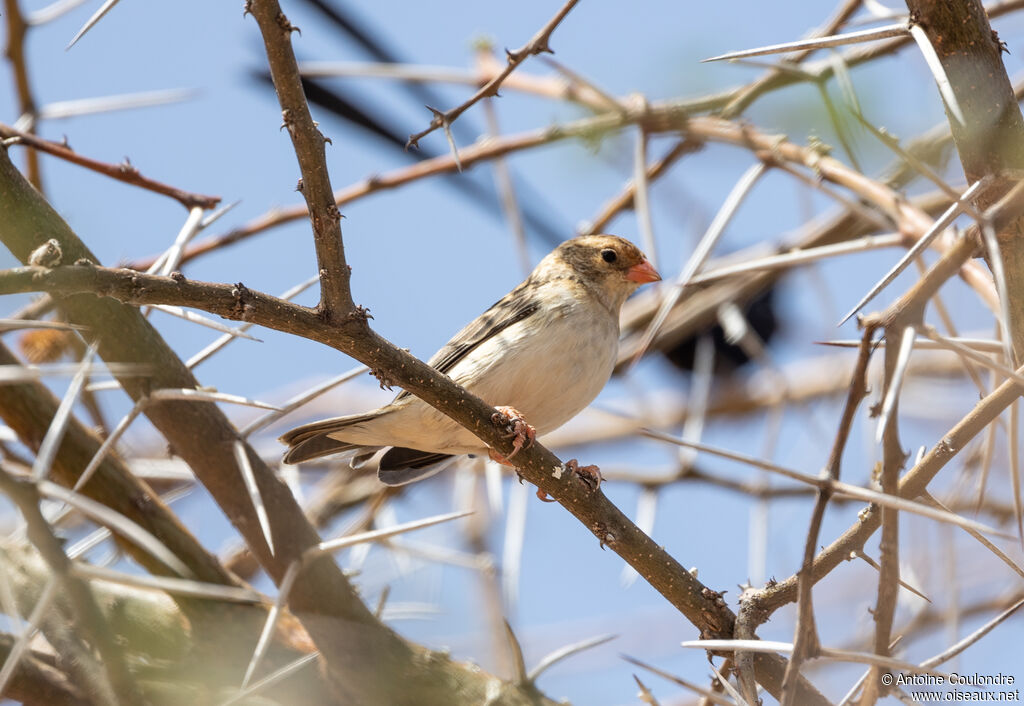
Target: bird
{"type": "Point", "coordinates": [539, 355]}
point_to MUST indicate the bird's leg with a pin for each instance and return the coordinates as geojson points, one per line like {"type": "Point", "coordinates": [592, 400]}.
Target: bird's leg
{"type": "Point", "coordinates": [524, 437]}
{"type": "Point", "coordinates": [591, 475]}
{"type": "Point", "coordinates": [522, 434]}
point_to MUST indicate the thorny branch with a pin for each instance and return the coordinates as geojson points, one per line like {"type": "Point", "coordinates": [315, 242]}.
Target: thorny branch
{"type": "Point", "coordinates": [537, 45]}
{"type": "Point", "coordinates": [121, 172]}
{"type": "Point", "coordinates": [310, 149]}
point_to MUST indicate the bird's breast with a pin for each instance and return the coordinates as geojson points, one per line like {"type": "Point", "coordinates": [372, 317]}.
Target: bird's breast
{"type": "Point", "coordinates": [549, 366]}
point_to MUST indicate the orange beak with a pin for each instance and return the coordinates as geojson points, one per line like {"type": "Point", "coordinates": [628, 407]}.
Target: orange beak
{"type": "Point", "coordinates": [642, 273]}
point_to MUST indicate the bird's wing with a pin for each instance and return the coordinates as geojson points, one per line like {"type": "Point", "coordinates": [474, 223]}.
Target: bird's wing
{"type": "Point", "coordinates": [399, 466]}
{"type": "Point", "coordinates": [514, 307]}
{"type": "Point", "coordinates": [316, 447]}
{"type": "Point", "coordinates": [311, 441]}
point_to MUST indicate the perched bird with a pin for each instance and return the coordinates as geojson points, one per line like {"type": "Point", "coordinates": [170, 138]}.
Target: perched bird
{"type": "Point", "coordinates": [543, 352]}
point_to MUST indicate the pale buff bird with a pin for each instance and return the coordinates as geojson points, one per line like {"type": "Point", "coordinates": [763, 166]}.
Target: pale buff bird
{"type": "Point", "coordinates": [542, 353]}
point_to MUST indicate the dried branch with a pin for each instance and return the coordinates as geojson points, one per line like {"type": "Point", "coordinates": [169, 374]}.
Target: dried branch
{"type": "Point", "coordinates": [537, 45]}
{"type": "Point", "coordinates": [17, 28]}
{"type": "Point", "coordinates": [309, 144]}
{"type": "Point", "coordinates": [990, 138]}
{"type": "Point", "coordinates": [121, 172]}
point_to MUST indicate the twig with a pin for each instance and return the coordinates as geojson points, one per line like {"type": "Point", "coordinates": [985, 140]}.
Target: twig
{"type": "Point", "coordinates": [17, 28]}
{"type": "Point", "coordinates": [893, 459]}
{"type": "Point", "coordinates": [121, 172]}
{"type": "Point", "coordinates": [805, 639]}
{"type": "Point", "coordinates": [309, 144]}
{"type": "Point", "coordinates": [537, 45]}
{"type": "Point", "coordinates": [626, 199]}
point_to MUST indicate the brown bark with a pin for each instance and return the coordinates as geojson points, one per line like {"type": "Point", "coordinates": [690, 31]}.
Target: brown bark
{"type": "Point", "coordinates": [990, 142]}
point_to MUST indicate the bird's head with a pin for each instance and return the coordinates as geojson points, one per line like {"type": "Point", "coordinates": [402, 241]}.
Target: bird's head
{"type": "Point", "coordinates": [612, 266]}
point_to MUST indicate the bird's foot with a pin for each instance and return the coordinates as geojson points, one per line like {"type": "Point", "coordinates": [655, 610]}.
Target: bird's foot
{"type": "Point", "coordinates": [591, 475]}
{"type": "Point", "coordinates": [522, 434]}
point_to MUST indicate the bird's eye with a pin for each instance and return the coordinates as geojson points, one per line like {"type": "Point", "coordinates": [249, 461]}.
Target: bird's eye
{"type": "Point", "coordinates": [609, 255]}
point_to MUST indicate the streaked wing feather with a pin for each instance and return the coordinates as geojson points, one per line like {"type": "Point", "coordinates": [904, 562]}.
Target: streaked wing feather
{"type": "Point", "coordinates": [510, 309]}
{"type": "Point", "coordinates": [315, 447]}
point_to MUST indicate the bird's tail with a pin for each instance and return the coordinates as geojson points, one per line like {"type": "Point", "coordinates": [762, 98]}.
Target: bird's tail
{"type": "Point", "coordinates": [312, 441]}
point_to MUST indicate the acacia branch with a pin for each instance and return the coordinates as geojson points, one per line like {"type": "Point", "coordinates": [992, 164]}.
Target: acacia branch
{"type": "Point", "coordinates": [805, 640]}
{"type": "Point", "coordinates": [537, 45]}
{"type": "Point", "coordinates": [121, 172]}
{"type": "Point", "coordinates": [893, 460]}
{"type": "Point", "coordinates": [761, 604]}
{"type": "Point", "coordinates": [991, 140]}
{"type": "Point", "coordinates": [310, 149]}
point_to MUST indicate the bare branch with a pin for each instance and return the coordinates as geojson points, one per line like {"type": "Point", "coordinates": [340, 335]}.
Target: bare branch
{"type": "Point", "coordinates": [309, 144]}
{"type": "Point", "coordinates": [121, 172]}
{"type": "Point", "coordinates": [537, 45]}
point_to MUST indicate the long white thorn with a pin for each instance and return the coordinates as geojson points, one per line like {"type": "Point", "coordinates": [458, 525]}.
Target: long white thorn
{"type": "Point", "coordinates": [892, 393]}
{"type": "Point", "coordinates": [702, 252]}
{"type": "Point", "coordinates": [865, 35]}
{"type": "Point", "coordinates": [944, 221]}
{"type": "Point", "coordinates": [935, 66]}
{"type": "Point", "coordinates": [272, 619]}
{"type": "Point", "coordinates": [96, 17]}
{"type": "Point", "coordinates": [55, 433]}
{"type": "Point", "coordinates": [249, 478]}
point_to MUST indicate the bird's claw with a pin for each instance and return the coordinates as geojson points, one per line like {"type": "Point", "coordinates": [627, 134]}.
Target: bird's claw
{"type": "Point", "coordinates": [522, 434]}
{"type": "Point", "coordinates": [591, 475]}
